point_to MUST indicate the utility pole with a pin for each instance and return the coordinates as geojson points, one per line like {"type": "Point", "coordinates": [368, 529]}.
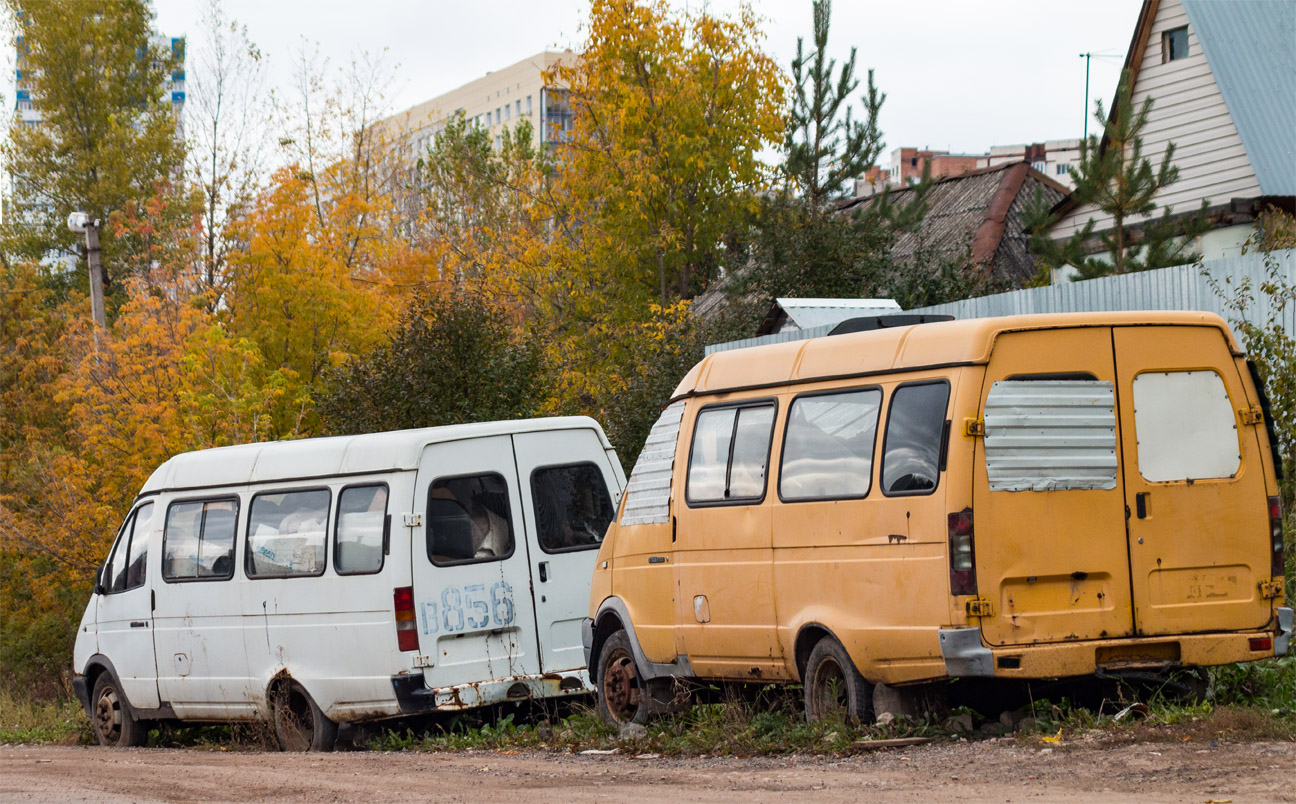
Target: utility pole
{"type": "Point", "coordinates": [1086, 57]}
{"type": "Point", "coordinates": [81, 223]}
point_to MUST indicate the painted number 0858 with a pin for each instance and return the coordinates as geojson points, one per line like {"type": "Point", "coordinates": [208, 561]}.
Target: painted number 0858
{"type": "Point", "coordinates": [464, 608]}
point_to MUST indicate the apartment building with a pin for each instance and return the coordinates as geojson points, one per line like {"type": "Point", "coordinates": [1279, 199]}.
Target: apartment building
{"type": "Point", "coordinates": [1053, 158]}
{"type": "Point", "coordinates": [499, 99]}
{"type": "Point", "coordinates": [27, 106]}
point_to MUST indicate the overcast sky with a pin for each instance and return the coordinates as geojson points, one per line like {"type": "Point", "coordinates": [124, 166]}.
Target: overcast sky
{"type": "Point", "coordinates": [959, 75]}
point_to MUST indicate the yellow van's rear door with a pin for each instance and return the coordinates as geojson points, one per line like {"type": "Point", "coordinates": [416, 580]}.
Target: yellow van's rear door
{"type": "Point", "coordinates": [1048, 499]}
{"type": "Point", "coordinates": [1194, 483]}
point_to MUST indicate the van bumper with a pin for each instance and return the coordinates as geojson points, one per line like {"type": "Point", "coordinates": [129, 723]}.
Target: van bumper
{"type": "Point", "coordinates": [967, 656]}
{"type": "Point", "coordinates": [1282, 642]}
{"type": "Point", "coordinates": [587, 640]}
{"type": "Point", "coordinates": [415, 697]}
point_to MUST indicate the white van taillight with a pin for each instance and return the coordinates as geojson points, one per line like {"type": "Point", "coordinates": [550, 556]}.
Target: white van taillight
{"type": "Point", "coordinates": [962, 559]}
{"type": "Point", "coordinates": [1276, 536]}
{"type": "Point", "coordinates": [406, 626]}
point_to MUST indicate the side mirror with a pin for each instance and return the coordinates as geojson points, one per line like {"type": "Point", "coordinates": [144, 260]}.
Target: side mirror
{"type": "Point", "coordinates": [99, 588]}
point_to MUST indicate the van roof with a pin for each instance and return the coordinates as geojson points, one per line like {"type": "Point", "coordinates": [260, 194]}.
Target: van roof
{"type": "Point", "coordinates": [271, 461]}
{"type": "Point", "coordinates": [947, 343]}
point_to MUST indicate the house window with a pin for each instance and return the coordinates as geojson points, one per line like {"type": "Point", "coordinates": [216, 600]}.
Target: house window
{"type": "Point", "coordinates": [528, 104]}
{"type": "Point", "coordinates": [1174, 44]}
{"type": "Point", "coordinates": [1063, 169]}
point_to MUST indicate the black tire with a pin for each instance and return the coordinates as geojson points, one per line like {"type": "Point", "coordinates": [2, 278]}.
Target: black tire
{"type": "Point", "coordinates": [299, 724]}
{"type": "Point", "coordinates": [111, 717]}
{"type": "Point", "coordinates": [622, 696]}
{"type": "Point", "coordinates": [834, 689]}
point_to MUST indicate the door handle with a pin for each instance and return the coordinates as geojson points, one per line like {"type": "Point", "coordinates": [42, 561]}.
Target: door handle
{"type": "Point", "coordinates": [139, 624]}
{"type": "Point", "coordinates": [544, 571]}
{"type": "Point", "coordinates": [1141, 504]}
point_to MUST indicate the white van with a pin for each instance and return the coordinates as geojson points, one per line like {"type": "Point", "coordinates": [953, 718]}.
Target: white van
{"type": "Point", "coordinates": [349, 579]}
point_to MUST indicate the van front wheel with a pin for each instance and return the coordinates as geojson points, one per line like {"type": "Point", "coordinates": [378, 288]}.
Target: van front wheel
{"type": "Point", "coordinates": [299, 723]}
{"type": "Point", "coordinates": [622, 696]}
{"type": "Point", "coordinates": [834, 689]}
{"type": "Point", "coordinates": [114, 725]}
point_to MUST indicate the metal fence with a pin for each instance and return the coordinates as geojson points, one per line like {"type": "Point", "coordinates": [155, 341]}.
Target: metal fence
{"type": "Point", "coordinates": [1184, 287]}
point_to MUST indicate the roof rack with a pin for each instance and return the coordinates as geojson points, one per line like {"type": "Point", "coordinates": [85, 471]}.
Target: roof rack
{"type": "Point", "coordinates": [871, 322]}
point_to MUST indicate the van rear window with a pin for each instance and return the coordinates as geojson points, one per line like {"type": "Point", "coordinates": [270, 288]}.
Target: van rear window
{"type": "Point", "coordinates": [286, 534]}
{"type": "Point", "coordinates": [730, 454]}
{"type": "Point", "coordinates": [468, 520]}
{"type": "Point", "coordinates": [911, 453]}
{"type": "Point", "coordinates": [1185, 426]}
{"type": "Point", "coordinates": [572, 507]}
{"type": "Point", "coordinates": [828, 445]}
{"type": "Point", "coordinates": [198, 543]}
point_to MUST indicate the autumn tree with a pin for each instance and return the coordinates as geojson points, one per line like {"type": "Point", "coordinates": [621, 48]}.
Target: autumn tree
{"type": "Point", "coordinates": [227, 131]}
{"type": "Point", "coordinates": [1115, 179]}
{"type": "Point", "coordinates": [106, 139]}
{"type": "Point", "coordinates": [671, 113]}
{"type": "Point", "coordinates": [453, 358]}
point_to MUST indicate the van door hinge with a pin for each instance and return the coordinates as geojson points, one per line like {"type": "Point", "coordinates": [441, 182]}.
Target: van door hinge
{"type": "Point", "coordinates": [1253, 415]}
{"type": "Point", "coordinates": [974, 428]}
{"type": "Point", "coordinates": [979, 607]}
{"type": "Point", "coordinates": [413, 520]}
{"type": "Point", "coordinates": [1270, 589]}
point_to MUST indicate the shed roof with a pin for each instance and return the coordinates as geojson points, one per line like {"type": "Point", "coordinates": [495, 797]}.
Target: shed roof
{"type": "Point", "coordinates": [271, 461]}
{"type": "Point", "coordinates": [980, 216]}
{"type": "Point", "coordinates": [884, 350]}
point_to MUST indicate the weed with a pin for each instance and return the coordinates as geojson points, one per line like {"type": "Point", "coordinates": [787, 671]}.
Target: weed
{"type": "Point", "coordinates": [25, 720]}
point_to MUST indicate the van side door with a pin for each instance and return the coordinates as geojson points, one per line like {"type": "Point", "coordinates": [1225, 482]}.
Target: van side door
{"type": "Point", "coordinates": [472, 587]}
{"type": "Point", "coordinates": [569, 496]}
{"type": "Point", "coordinates": [126, 608]}
{"type": "Point", "coordinates": [1194, 483]}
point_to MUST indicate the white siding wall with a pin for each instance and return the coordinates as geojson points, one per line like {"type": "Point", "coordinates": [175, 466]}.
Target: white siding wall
{"type": "Point", "coordinates": [1188, 110]}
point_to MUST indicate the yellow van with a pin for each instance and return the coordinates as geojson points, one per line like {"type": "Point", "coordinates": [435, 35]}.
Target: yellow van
{"type": "Point", "coordinates": [1022, 497]}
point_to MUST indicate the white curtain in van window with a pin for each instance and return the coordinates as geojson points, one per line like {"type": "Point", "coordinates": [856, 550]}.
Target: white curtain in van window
{"type": "Point", "coordinates": [1185, 426]}
{"type": "Point", "coordinates": [1050, 435]}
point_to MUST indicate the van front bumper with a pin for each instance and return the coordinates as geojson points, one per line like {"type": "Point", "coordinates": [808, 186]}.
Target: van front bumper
{"type": "Point", "coordinates": [966, 656]}
{"type": "Point", "coordinates": [82, 692]}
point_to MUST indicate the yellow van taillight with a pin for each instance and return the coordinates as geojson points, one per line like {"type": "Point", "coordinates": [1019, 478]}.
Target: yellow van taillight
{"type": "Point", "coordinates": [1276, 536]}
{"type": "Point", "coordinates": [406, 626]}
{"type": "Point", "coordinates": [962, 558]}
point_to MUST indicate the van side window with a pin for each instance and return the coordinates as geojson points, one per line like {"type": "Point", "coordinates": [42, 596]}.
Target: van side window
{"type": "Point", "coordinates": [468, 520]}
{"type": "Point", "coordinates": [730, 453]}
{"type": "Point", "coordinates": [114, 571]}
{"type": "Point", "coordinates": [286, 533]}
{"type": "Point", "coordinates": [361, 530]}
{"type": "Point", "coordinates": [572, 507]}
{"type": "Point", "coordinates": [198, 542]}
{"type": "Point", "coordinates": [137, 567]}
{"type": "Point", "coordinates": [828, 445]}
{"type": "Point", "coordinates": [1185, 426]}
{"type": "Point", "coordinates": [911, 450]}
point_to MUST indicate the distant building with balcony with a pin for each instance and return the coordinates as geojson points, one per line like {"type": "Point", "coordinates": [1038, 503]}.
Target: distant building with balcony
{"type": "Point", "coordinates": [27, 104]}
{"type": "Point", "coordinates": [497, 100]}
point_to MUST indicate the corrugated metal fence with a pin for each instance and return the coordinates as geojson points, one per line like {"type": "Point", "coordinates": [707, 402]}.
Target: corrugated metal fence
{"type": "Point", "coordinates": [1185, 287]}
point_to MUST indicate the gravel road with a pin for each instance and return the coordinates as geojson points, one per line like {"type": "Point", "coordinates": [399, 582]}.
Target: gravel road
{"type": "Point", "coordinates": [1003, 770]}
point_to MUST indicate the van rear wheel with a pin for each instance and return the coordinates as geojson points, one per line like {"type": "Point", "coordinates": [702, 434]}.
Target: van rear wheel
{"type": "Point", "coordinates": [622, 696]}
{"type": "Point", "coordinates": [113, 723]}
{"type": "Point", "coordinates": [834, 689]}
{"type": "Point", "coordinates": [300, 725]}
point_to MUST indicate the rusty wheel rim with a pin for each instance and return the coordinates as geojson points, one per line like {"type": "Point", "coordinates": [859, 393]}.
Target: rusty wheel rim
{"type": "Point", "coordinates": [828, 690]}
{"type": "Point", "coordinates": [620, 688]}
{"type": "Point", "coordinates": [108, 716]}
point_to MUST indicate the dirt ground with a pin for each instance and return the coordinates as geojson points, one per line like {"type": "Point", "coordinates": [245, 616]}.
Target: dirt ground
{"type": "Point", "coordinates": [1003, 770]}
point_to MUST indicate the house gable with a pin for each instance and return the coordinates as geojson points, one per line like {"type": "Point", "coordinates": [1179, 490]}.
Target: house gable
{"type": "Point", "coordinates": [1188, 109]}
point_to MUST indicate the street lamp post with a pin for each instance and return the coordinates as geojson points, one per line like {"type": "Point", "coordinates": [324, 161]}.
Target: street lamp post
{"type": "Point", "coordinates": [81, 223]}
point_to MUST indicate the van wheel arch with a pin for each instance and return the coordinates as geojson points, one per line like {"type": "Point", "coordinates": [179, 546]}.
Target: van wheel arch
{"type": "Point", "coordinates": [607, 624]}
{"type": "Point", "coordinates": [806, 639]}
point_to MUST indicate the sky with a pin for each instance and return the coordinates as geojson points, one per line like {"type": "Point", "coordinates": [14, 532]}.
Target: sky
{"type": "Point", "coordinates": [960, 75]}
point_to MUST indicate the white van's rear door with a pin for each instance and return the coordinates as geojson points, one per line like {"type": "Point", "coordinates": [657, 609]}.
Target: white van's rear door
{"type": "Point", "coordinates": [569, 492]}
{"type": "Point", "coordinates": [472, 593]}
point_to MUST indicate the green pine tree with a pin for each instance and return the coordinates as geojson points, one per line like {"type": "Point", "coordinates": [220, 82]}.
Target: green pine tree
{"type": "Point", "coordinates": [1119, 181]}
